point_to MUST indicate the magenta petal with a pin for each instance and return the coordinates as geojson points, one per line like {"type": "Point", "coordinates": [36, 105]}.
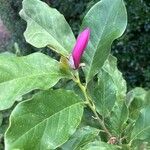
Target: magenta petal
{"type": "Point", "coordinates": [79, 47]}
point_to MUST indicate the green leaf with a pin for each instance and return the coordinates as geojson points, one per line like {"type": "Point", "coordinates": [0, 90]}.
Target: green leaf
{"type": "Point", "coordinates": [97, 145]}
{"type": "Point", "coordinates": [45, 122]}
{"type": "Point", "coordinates": [107, 20]}
{"type": "Point", "coordinates": [147, 98]}
{"type": "Point", "coordinates": [71, 85]}
{"type": "Point", "coordinates": [8, 54]}
{"type": "Point", "coordinates": [103, 92]}
{"type": "Point", "coordinates": [141, 129]}
{"type": "Point", "coordinates": [109, 95]}
{"type": "Point", "coordinates": [110, 66]}
{"type": "Point", "coordinates": [137, 94]}
{"type": "Point", "coordinates": [117, 119]}
{"type": "Point", "coordinates": [81, 137]}
{"type": "Point", "coordinates": [20, 75]}
{"type": "Point", "coordinates": [135, 101]}
{"type": "Point", "coordinates": [1, 118]}
{"type": "Point", "coordinates": [140, 145]}
{"type": "Point", "coordinates": [89, 120]}
{"type": "Point", "coordinates": [46, 27]}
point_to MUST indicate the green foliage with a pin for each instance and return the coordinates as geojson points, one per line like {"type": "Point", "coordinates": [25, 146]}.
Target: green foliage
{"type": "Point", "coordinates": [136, 100]}
{"type": "Point", "coordinates": [82, 137]}
{"type": "Point", "coordinates": [46, 31]}
{"type": "Point", "coordinates": [107, 21]}
{"type": "Point", "coordinates": [44, 122]}
{"type": "Point", "coordinates": [108, 88]}
{"type": "Point", "coordinates": [52, 117]}
{"type": "Point", "coordinates": [96, 145]}
{"type": "Point", "coordinates": [20, 75]}
{"type": "Point", "coordinates": [110, 66]}
{"type": "Point", "coordinates": [73, 10]}
{"type": "Point", "coordinates": [133, 48]}
{"type": "Point", "coordinates": [117, 119]}
{"type": "Point", "coordinates": [141, 129]}
{"type": "Point", "coordinates": [103, 92]}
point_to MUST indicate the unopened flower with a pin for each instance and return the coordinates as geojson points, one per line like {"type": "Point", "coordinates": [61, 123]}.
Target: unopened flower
{"type": "Point", "coordinates": [79, 48]}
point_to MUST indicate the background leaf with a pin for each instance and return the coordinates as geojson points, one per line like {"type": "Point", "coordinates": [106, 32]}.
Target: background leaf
{"type": "Point", "coordinates": [116, 121]}
{"type": "Point", "coordinates": [80, 138]}
{"type": "Point", "coordinates": [110, 87]}
{"type": "Point", "coordinates": [118, 115]}
{"type": "Point", "coordinates": [137, 93]}
{"type": "Point", "coordinates": [20, 75]}
{"type": "Point", "coordinates": [107, 20]}
{"type": "Point", "coordinates": [45, 122]}
{"type": "Point", "coordinates": [110, 66]}
{"type": "Point", "coordinates": [109, 94]}
{"type": "Point", "coordinates": [147, 98]}
{"type": "Point", "coordinates": [135, 101]}
{"type": "Point", "coordinates": [97, 145]}
{"type": "Point", "coordinates": [103, 92]}
{"type": "Point", "coordinates": [140, 145]}
{"type": "Point", "coordinates": [141, 129]}
{"type": "Point", "coordinates": [46, 27]}
{"type": "Point", "coordinates": [1, 118]}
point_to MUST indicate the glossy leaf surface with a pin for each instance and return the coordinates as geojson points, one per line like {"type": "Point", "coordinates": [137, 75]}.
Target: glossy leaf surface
{"type": "Point", "coordinates": [107, 20]}
{"type": "Point", "coordinates": [110, 66]}
{"type": "Point", "coordinates": [45, 122]}
{"type": "Point", "coordinates": [103, 92]}
{"type": "Point", "coordinates": [47, 27]}
{"type": "Point", "coordinates": [20, 75]}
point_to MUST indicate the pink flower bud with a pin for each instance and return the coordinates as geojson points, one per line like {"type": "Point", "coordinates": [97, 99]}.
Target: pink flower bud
{"type": "Point", "coordinates": [79, 48]}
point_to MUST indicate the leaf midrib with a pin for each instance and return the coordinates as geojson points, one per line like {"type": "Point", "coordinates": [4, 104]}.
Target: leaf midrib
{"type": "Point", "coordinates": [141, 132]}
{"type": "Point", "coordinates": [29, 76]}
{"type": "Point", "coordinates": [79, 103]}
{"type": "Point", "coordinates": [106, 22]}
{"type": "Point", "coordinates": [45, 30]}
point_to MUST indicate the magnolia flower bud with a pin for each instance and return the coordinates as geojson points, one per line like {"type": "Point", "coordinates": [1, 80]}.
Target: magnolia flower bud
{"type": "Point", "coordinates": [79, 48]}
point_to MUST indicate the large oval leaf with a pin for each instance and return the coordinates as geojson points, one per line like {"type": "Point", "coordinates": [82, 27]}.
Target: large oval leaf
{"type": "Point", "coordinates": [107, 20]}
{"type": "Point", "coordinates": [110, 87]}
{"type": "Point", "coordinates": [20, 75]}
{"type": "Point", "coordinates": [46, 27]}
{"type": "Point", "coordinates": [45, 122]}
{"type": "Point", "coordinates": [109, 94]}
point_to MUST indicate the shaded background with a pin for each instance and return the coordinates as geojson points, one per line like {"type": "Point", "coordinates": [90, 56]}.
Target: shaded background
{"type": "Point", "coordinates": [132, 49]}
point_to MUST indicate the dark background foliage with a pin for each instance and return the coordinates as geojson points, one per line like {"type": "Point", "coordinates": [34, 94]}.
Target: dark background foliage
{"type": "Point", "coordinates": [132, 50]}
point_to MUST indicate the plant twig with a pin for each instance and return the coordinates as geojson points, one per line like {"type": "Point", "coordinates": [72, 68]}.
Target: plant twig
{"type": "Point", "coordinates": [91, 105]}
